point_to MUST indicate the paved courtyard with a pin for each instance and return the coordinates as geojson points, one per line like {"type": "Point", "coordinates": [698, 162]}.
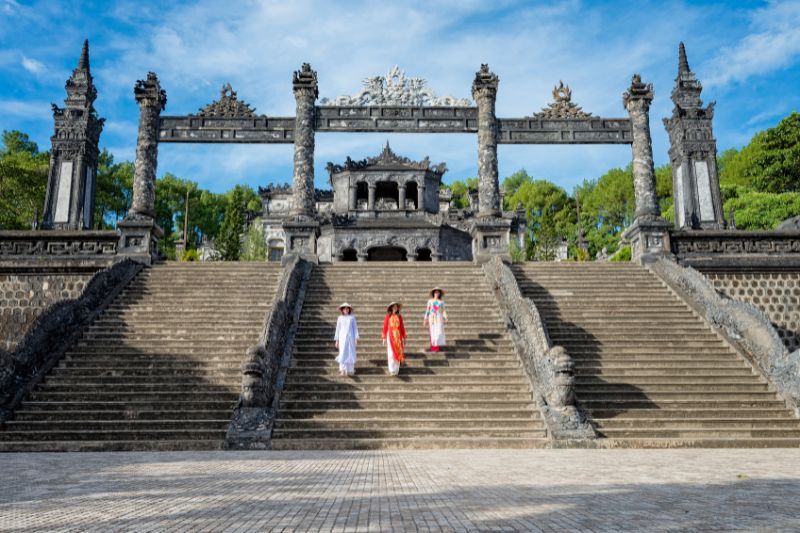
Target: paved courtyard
{"type": "Point", "coordinates": [437, 490]}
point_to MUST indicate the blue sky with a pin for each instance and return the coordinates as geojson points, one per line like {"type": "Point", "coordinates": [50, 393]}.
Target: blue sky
{"type": "Point", "coordinates": [747, 55]}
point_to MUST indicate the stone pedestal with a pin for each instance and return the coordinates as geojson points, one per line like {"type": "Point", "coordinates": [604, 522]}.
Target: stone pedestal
{"type": "Point", "coordinates": [490, 238]}
{"type": "Point", "coordinates": [138, 239]}
{"type": "Point", "coordinates": [301, 239]}
{"type": "Point", "coordinates": [648, 238]}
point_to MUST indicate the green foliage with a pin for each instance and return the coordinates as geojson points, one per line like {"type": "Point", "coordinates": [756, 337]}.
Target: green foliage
{"type": "Point", "coordinates": [190, 255]}
{"type": "Point", "coordinates": [761, 210]}
{"type": "Point", "coordinates": [23, 181]}
{"type": "Point", "coordinates": [460, 192]}
{"type": "Point", "coordinates": [114, 190]}
{"type": "Point", "coordinates": [516, 252]}
{"type": "Point", "coordinates": [550, 214]}
{"type": "Point", "coordinates": [779, 160]}
{"type": "Point", "coordinates": [254, 247]}
{"type": "Point", "coordinates": [622, 255]}
{"type": "Point", "coordinates": [511, 185]}
{"type": "Point", "coordinates": [228, 242]}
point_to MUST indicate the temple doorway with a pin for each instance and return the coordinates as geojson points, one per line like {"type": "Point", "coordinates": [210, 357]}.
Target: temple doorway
{"type": "Point", "coordinates": [387, 253]}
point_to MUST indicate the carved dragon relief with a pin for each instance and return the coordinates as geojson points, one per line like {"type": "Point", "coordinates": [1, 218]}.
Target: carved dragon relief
{"type": "Point", "coordinates": [395, 89]}
{"type": "Point", "coordinates": [228, 106]}
{"type": "Point", "coordinates": [562, 105]}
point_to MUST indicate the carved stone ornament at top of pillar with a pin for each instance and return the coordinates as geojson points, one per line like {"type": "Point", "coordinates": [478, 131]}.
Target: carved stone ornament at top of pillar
{"type": "Point", "coordinates": [637, 102]}
{"type": "Point", "coordinates": [304, 85]}
{"type": "Point", "coordinates": [484, 91]}
{"type": "Point", "coordinates": [152, 99]}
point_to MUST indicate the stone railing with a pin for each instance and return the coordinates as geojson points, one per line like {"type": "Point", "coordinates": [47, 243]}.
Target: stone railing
{"type": "Point", "coordinates": [736, 248]}
{"type": "Point", "coordinates": [742, 324]}
{"type": "Point", "coordinates": [55, 330]}
{"type": "Point", "coordinates": [549, 367]}
{"type": "Point", "coordinates": [58, 243]}
{"type": "Point", "coordinates": [265, 364]}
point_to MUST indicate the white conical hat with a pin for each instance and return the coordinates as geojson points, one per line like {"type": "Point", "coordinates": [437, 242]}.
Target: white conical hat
{"type": "Point", "coordinates": [345, 305]}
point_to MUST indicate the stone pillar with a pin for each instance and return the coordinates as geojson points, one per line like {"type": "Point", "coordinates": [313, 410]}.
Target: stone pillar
{"type": "Point", "coordinates": [302, 228]}
{"type": "Point", "coordinates": [411, 257]}
{"type": "Point", "coordinates": [693, 154]}
{"type": "Point", "coordinates": [70, 193]}
{"type": "Point", "coordinates": [362, 257]}
{"type": "Point", "coordinates": [306, 92]}
{"type": "Point", "coordinates": [421, 197]}
{"type": "Point", "coordinates": [139, 233]}
{"type": "Point", "coordinates": [401, 195]}
{"type": "Point", "coordinates": [351, 201]}
{"type": "Point", "coordinates": [151, 99]}
{"type": "Point", "coordinates": [484, 91]}
{"type": "Point", "coordinates": [649, 233]}
{"type": "Point", "coordinates": [637, 102]}
{"type": "Point", "coordinates": [371, 197]}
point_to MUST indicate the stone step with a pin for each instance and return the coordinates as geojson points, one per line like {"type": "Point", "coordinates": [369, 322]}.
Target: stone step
{"type": "Point", "coordinates": [407, 443]}
{"type": "Point", "coordinates": [402, 394]}
{"type": "Point", "coordinates": [446, 380]}
{"type": "Point", "coordinates": [409, 363]}
{"type": "Point", "coordinates": [699, 433]}
{"type": "Point", "coordinates": [406, 433]}
{"type": "Point", "coordinates": [422, 424]}
{"type": "Point", "coordinates": [663, 380]}
{"type": "Point", "coordinates": [442, 404]}
{"type": "Point", "coordinates": [605, 415]}
{"type": "Point", "coordinates": [621, 404]}
{"type": "Point", "coordinates": [699, 423]}
{"type": "Point", "coordinates": [115, 434]}
{"type": "Point", "coordinates": [119, 415]}
{"type": "Point", "coordinates": [411, 414]}
{"type": "Point", "coordinates": [93, 425]}
{"type": "Point", "coordinates": [657, 389]}
{"type": "Point", "coordinates": [311, 391]}
{"type": "Point", "coordinates": [131, 406]}
{"type": "Point", "coordinates": [407, 371]}
{"type": "Point", "coordinates": [701, 442]}
{"type": "Point", "coordinates": [146, 372]}
{"type": "Point", "coordinates": [112, 446]}
{"type": "Point", "coordinates": [175, 386]}
{"type": "Point", "coordinates": [594, 394]}
{"type": "Point", "coordinates": [678, 372]}
{"type": "Point", "coordinates": [652, 366]}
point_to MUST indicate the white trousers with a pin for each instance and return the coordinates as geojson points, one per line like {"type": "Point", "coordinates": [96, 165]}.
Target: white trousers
{"type": "Point", "coordinates": [394, 366]}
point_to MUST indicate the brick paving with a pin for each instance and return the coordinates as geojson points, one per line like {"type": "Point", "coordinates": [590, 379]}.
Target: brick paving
{"type": "Point", "coordinates": [434, 490]}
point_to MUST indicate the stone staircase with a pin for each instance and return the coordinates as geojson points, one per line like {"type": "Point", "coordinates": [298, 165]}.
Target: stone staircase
{"type": "Point", "coordinates": [472, 395]}
{"type": "Point", "coordinates": [649, 371]}
{"type": "Point", "coordinates": [158, 370]}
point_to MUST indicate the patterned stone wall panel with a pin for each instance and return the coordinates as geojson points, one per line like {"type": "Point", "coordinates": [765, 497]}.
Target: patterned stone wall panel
{"type": "Point", "coordinates": [23, 297]}
{"type": "Point", "coordinates": [777, 294]}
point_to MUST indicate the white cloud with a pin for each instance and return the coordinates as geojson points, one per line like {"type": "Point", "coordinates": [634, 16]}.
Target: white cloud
{"type": "Point", "coordinates": [26, 109]}
{"type": "Point", "coordinates": [773, 44]}
{"type": "Point", "coordinates": [33, 66]}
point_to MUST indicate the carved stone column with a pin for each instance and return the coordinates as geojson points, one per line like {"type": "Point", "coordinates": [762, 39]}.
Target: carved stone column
{"type": "Point", "coordinates": [151, 99]}
{"type": "Point", "coordinates": [637, 102]}
{"type": "Point", "coordinates": [484, 91]}
{"type": "Point", "coordinates": [302, 228]}
{"type": "Point", "coordinates": [401, 197]}
{"type": "Point", "coordinates": [421, 197]}
{"type": "Point", "coordinates": [139, 232]}
{"type": "Point", "coordinates": [648, 234]}
{"type": "Point", "coordinates": [371, 197]}
{"type": "Point", "coordinates": [306, 92]}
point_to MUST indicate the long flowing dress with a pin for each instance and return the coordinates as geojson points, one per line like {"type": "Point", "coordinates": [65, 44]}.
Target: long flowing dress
{"type": "Point", "coordinates": [346, 335]}
{"type": "Point", "coordinates": [394, 332]}
{"type": "Point", "coordinates": [436, 314]}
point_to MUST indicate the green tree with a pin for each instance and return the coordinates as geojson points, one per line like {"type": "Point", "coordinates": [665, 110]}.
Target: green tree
{"type": "Point", "coordinates": [550, 214]}
{"type": "Point", "coordinates": [254, 247]}
{"type": "Point", "coordinates": [229, 243]}
{"type": "Point", "coordinates": [460, 192]}
{"type": "Point", "coordinates": [779, 160]}
{"type": "Point", "coordinates": [114, 190]}
{"type": "Point", "coordinates": [23, 181]}
{"type": "Point", "coordinates": [755, 210]}
{"type": "Point", "coordinates": [511, 185]}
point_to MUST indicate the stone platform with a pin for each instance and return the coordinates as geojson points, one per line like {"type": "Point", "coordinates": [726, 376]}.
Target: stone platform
{"type": "Point", "coordinates": [441, 490]}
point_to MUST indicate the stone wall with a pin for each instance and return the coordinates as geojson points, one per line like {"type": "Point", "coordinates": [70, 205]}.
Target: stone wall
{"type": "Point", "coordinates": [775, 293]}
{"type": "Point", "coordinates": [23, 297]}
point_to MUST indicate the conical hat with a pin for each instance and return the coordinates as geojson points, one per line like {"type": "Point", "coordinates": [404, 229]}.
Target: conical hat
{"type": "Point", "coordinates": [389, 307]}
{"type": "Point", "coordinates": [345, 305]}
{"type": "Point", "coordinates": [441, 291]}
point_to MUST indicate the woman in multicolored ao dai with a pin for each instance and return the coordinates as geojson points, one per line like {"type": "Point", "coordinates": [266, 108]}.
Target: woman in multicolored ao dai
{"type": "Point", "coordinates": [435, 318]}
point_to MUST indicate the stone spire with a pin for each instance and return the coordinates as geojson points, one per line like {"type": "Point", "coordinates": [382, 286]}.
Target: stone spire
{"type": "Point", "coordinates": [698, 203]}
{"type": "Point", "coordinates": [686, 92]}
{"type": "Point", "coordinates": [69, 202]}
